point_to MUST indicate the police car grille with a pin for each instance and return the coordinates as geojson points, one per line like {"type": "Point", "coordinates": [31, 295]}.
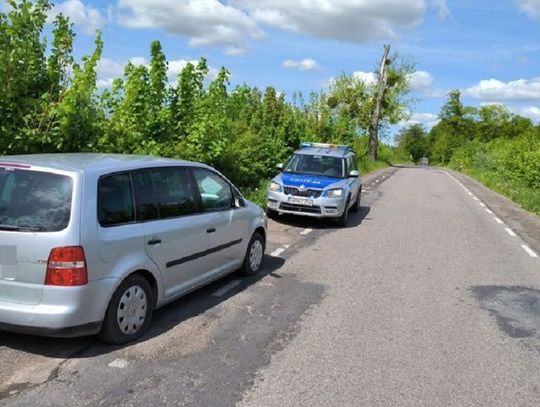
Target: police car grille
{"type": "Point", "coordinates": [309, 193]}
{"type": "Point", "coordinates": [299, 208]}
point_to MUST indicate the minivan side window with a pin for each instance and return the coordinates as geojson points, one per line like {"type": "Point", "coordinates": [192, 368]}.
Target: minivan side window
{"type": "Point", "coordinates": [145, 196]}
{"type": "Point", "coordinates": [115, 200]}
{"type": "Point", "coordinates": [216, 193]}
{"type": "Point", "coordinates": [175, 192]}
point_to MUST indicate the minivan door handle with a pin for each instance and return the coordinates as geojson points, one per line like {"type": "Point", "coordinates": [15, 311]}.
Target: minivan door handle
{"type": "Point", "coordinates": [154, 241]}
{"type": "Point", "coordinates": [211, 230]}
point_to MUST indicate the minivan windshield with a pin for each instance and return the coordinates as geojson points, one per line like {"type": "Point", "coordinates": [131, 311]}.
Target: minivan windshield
{"type": "Point", "coordinates": [34, 201]}
{"type": "Point", "coordinates": [327, 166]}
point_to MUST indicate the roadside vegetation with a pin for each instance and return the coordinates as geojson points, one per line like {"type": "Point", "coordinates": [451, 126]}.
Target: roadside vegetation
{"type": "Point", "coordinates": [50, 103]}
{"type": "Point", "coordinates": [498, 148]}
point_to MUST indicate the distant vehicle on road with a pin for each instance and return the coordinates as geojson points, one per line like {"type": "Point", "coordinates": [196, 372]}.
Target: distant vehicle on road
{"type": "Point", "coordinates": [424, 161]}
{"type": "Point", "coordinates": [93, 243]}
{"type": "Point", "coordinates": [319, 180]}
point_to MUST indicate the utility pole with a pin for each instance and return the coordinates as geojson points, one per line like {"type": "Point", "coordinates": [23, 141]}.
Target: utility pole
{"type": "Point", "coordinates": [379, 96]}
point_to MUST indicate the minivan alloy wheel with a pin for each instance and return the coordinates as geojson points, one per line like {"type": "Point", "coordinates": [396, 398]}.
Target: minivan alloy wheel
{"type": "Point", "coordinates": [256, 255]}
{"type": "Point", "coordinates": [132, 309]}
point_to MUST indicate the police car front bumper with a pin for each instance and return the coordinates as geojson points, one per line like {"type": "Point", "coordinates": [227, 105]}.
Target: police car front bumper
{"type": "Point", "coordinates": [322, 207]}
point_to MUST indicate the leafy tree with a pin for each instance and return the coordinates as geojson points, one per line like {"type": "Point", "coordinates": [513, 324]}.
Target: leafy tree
{"type": "Point", "coordinates": [23, 72]}
{"type": "Point", "coordinates": [413, 140]}
{"type": "Point", "coordinates": [78, 111]}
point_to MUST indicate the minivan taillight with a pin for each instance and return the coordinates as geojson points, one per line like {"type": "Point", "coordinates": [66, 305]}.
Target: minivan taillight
{"type": "Point", "coordinates": [66, 267]}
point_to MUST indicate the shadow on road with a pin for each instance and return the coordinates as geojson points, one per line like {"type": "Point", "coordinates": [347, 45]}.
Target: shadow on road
{"type": "Point", "coordinates": [355, 219]}
{"type": "Point", "coordinates": [164, 319]}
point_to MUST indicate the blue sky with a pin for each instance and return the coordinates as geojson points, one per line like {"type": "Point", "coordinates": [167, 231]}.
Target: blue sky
{"type": "Point", "coordinates": [489, 49]}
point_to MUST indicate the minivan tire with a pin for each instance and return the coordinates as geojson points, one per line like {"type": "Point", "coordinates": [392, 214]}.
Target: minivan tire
{"type": "Point", "coordinates": [254, 255]}
{"type": "Point", "coordinates": [115, 330]}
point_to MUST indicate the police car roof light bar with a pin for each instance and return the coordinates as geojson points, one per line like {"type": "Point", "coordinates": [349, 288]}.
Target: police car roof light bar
{"type": "Point", "coordinates": [325, 145]}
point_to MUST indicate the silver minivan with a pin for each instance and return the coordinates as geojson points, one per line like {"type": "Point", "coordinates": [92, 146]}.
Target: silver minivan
{"type": "Point", "coordinates": [93, 243]}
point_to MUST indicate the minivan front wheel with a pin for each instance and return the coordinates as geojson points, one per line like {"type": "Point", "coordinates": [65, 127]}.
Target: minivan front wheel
{"type": "Point", "coordinates": [129, 312]}
{"type": "Point", "coordinates": [254, 255]}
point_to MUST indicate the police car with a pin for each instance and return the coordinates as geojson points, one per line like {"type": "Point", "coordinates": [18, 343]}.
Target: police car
{"type": "Point", "coordinates": [319, 180]}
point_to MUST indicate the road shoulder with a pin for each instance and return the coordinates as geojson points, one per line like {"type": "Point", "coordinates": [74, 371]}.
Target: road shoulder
{"type": "Point", "coordinates": [525, 224]}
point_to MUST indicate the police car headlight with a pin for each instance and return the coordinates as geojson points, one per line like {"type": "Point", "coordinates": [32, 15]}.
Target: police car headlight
{"type": "Point", "coordinates": [335, 193]}
{"type": "Point", "coordinates": [275, 187]}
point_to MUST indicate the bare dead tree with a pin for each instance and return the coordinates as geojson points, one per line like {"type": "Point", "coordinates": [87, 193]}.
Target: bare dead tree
{"type": "Point", "coordinates": [378, 98]}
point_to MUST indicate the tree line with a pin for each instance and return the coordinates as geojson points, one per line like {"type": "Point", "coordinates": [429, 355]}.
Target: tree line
{"type": "Point", "coordinates": [499, 148]}
{"type": "Point", "coordinates": [50, 103]}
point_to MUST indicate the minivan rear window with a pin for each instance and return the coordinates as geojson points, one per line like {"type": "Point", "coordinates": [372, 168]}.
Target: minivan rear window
{"type": "Point", "coordinates": [34, 201]}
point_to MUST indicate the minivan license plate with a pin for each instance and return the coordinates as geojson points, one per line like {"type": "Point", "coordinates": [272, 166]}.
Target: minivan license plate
{"type": "Point", "coordinates": [301, 201]}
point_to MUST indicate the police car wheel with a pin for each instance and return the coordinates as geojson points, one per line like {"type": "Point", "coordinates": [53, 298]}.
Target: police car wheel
{"type": "Point", "coordinates": [342, 220]}
{"type": "Point", "coordinates": [356, 205]}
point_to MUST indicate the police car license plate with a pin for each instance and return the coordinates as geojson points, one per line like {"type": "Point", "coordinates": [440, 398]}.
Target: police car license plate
{"type": "Point", "coordinates": [301, 201]}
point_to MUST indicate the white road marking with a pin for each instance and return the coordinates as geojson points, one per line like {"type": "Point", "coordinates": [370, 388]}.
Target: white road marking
{"type": "Point", "coordinates": [306, 232]}
{"type": "Point", "coordinates": [119, 363]}
{"type": "Point", "coordinates": [226, 288]}
{"type": "Point", "coordinates": [529, 251]}
{"type": "Point", "coordinates": [277, 252]}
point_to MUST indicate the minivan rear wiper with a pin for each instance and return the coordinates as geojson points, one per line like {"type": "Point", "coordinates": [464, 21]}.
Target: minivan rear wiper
{"type": "Point", "coordinates": [20, 228]}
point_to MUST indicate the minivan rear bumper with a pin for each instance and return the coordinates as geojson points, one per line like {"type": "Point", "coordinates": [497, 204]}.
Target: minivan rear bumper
{"type": "Point", "coordinates": [69, 332]}
{"type": "Point", "coordinates": [63, 311]}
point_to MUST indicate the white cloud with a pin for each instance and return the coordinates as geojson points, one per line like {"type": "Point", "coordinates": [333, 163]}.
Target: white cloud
{"type": "Point", "coordinates": [428, 120]}
{"type": "Point", "coordinates": [109, 69]}
{"type": "Point", "coordinates": [346, 20]}
{"type": "Point", "coordinates": [205, 22]}
{"type": "Point", "coordinates": [441, 7]}
{"type": "Point", "coordinates": [496, 90]}
{"type": "Point", "coordinates": [531, 112]}
{"type": "Point", "coordinates": [137, 61]}
{"type": "Point", "coordinates": [369, 78]}
{"type": "Point", "coordinates": [420, 80]}
{"type": "Point", "coordinates": [307, 64]}
{"type": "Point", "coordinates": [88, 18]}
{"type": "Point", "coordinates": [530, 7]}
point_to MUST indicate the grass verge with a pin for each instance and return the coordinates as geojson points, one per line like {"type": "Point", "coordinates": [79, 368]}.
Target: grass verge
{"type": "Point", "coordinates": [524, 196]}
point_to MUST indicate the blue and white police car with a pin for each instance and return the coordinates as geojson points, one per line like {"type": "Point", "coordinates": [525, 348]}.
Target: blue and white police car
{"type": "Point", "coordinates": [319, 180]}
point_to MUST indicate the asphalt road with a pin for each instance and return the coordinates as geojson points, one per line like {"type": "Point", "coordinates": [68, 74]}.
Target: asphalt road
{"type": "Point", "coordinates": [429, 297]}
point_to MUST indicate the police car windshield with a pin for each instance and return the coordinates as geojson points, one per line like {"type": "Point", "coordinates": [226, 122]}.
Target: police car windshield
{"type": "Point", "coordinates": [327, 166]}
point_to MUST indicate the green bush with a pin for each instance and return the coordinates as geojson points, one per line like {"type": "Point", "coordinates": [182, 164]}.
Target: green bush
{"type": "Point", "coordinates": [509, 166]}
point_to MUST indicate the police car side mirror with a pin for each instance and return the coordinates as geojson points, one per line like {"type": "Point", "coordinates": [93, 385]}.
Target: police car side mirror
{"type": "Point", "coordinates": [279, 166]}
{"type": "Point", "coordinates": [354, 174]}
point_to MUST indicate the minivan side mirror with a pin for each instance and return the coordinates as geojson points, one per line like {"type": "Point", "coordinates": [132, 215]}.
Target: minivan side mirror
{"type": "Point", "coordinates": [239, 202]}
{"type": "Point", "coordinates": [354, 174]}
{"type": "Point", "coordinates": [279, 166]}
